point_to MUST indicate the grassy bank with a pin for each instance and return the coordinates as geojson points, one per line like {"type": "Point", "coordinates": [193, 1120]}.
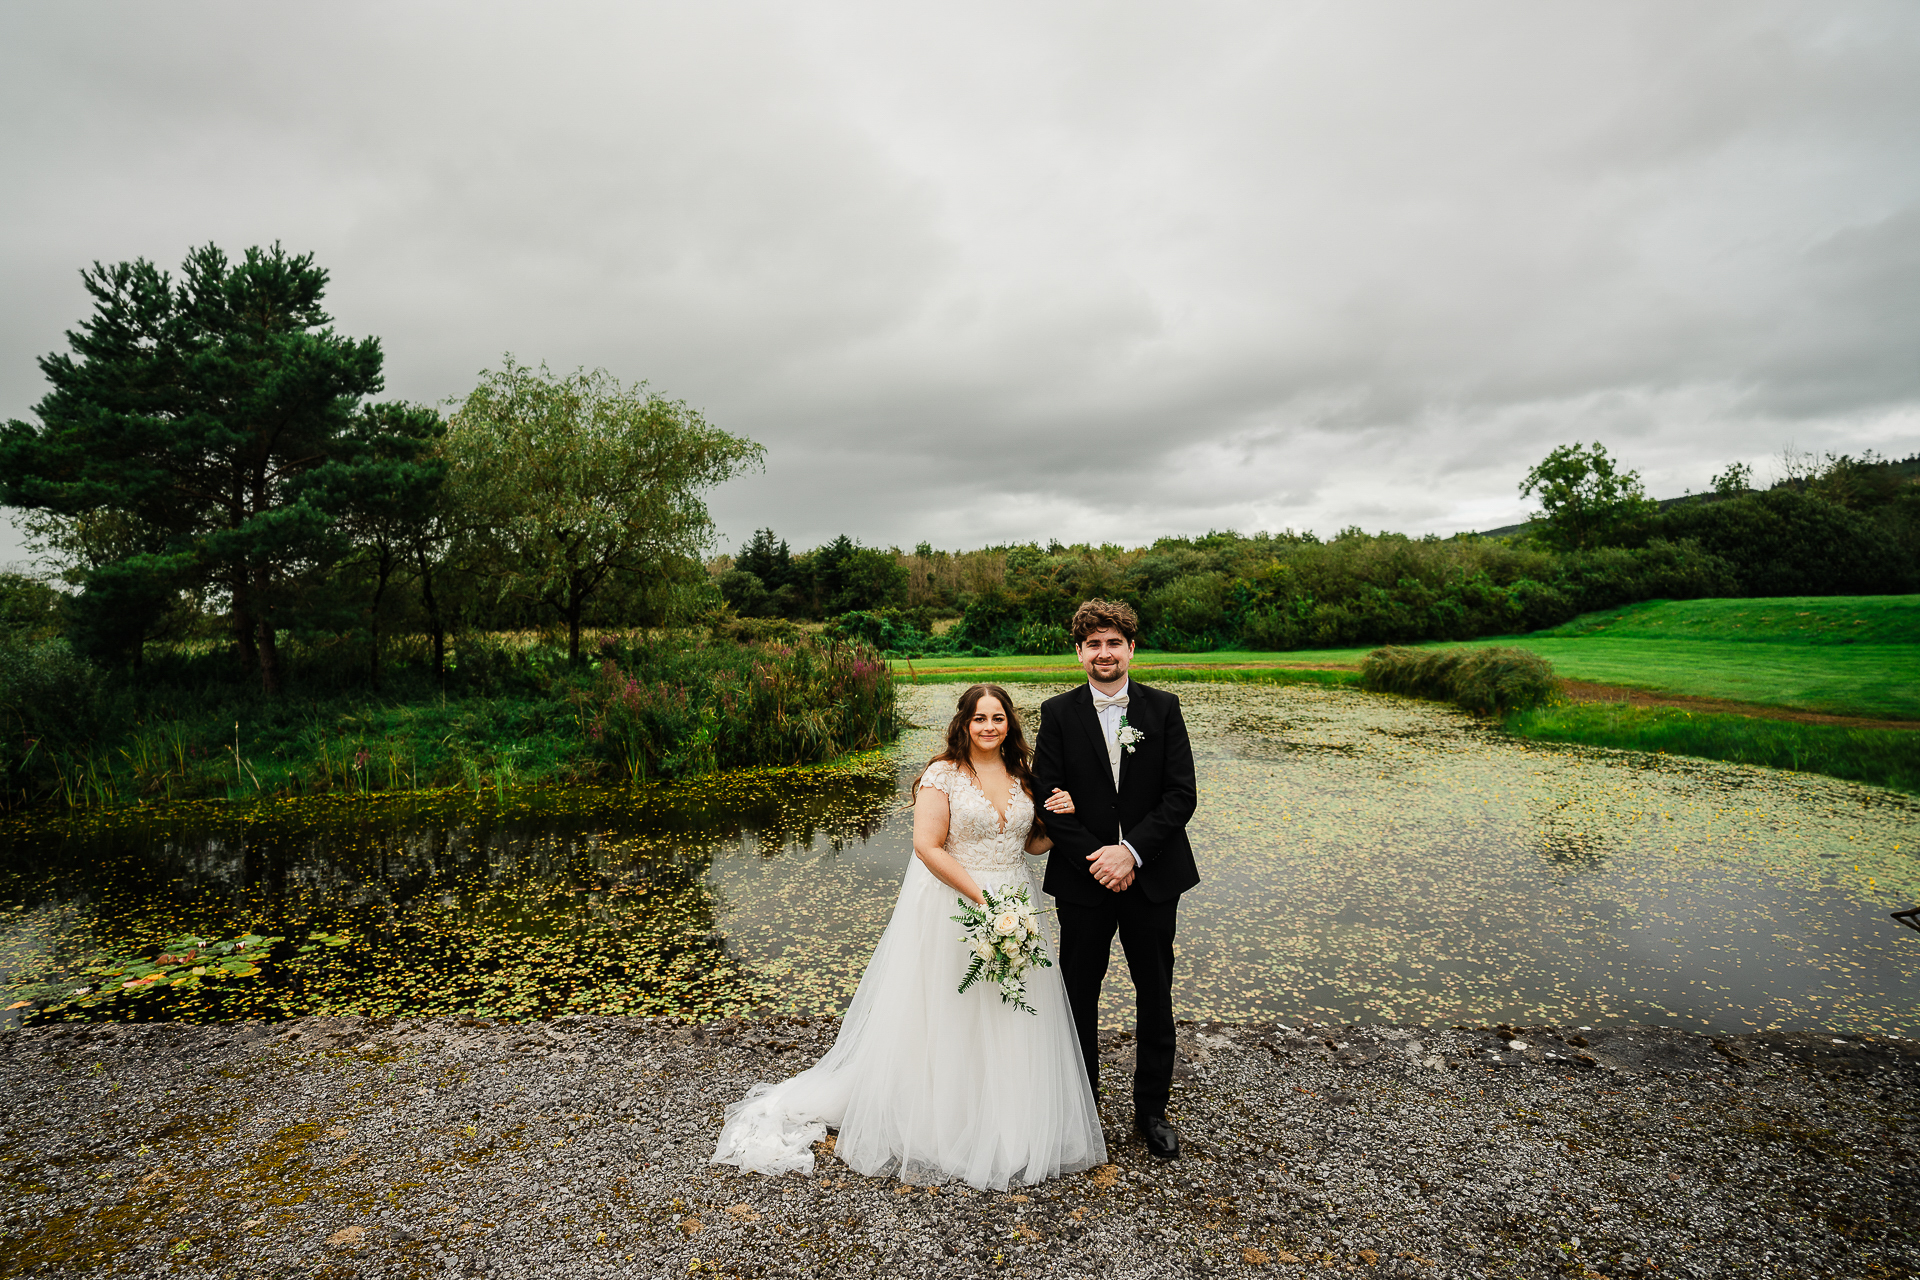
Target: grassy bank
{"type": "Point", "coordinates": [1778, 620]}
{"type": "Point", "coordinates": [1854, 656]}
{"type": "Point", "coordinates": [1841, 655]}
{"type": "Point", "coordinates": [1883, 757]}
{"type": "Point", "coordinates": [512, 711]}
{"type": "Point", "coordinates": [1148, 673]}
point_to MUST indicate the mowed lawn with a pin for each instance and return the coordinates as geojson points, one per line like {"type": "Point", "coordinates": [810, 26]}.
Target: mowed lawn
{"type": "Point", "coordinates": [1845, 655]}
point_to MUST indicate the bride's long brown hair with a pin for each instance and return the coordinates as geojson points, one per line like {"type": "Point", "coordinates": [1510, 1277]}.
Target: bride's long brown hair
{"type": "Point", "coordinates": [1014, 752]}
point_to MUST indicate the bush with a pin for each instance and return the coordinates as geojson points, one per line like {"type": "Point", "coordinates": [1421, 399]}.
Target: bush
{"type": "Point", "coordinates": [1485, 681]}
{"type": "Point", "coordinates": [1785, 542]}
{"type": "Point", "coordinates": [53, 705]}
{"type": "Point", "coordinates": [755, 630]}
{"type": "Point", "coordinates": [666, 709]}
{"type": "Point", "coordinates": [1612, 576]}
{"type": "Point", "coordinates": [1189, 613]}
{"type": "Point", "coordinates": [897, 632]}
{"type": "Point", "coordinates": [29, 608]}
{"type": "Point", "coordinates": [746, 594]}
{"type": "Point", "coordinates": [1042, 637]}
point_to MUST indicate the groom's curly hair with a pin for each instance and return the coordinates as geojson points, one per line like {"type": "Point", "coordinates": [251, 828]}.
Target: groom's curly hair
{"type": "Point", "coordinates": [1098, 615]}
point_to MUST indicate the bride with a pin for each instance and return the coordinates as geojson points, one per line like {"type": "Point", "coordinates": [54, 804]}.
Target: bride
{"type": "Point", "coordinates": [924, 1083]}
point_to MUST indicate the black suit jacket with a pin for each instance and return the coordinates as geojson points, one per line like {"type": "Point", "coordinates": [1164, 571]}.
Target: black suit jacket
{"type": "Point", "coordinates": [1150, 807]}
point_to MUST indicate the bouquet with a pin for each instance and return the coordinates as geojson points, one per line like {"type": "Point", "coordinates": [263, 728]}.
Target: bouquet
{"type": "Point", "coordinates": [1004, 936]}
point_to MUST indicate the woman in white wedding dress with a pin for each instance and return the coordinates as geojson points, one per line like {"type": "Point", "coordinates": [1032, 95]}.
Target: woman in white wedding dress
{"type": "Point", "coordinates": [924, 1083]}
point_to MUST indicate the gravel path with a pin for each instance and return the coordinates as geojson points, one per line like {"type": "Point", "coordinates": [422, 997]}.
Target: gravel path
{"type": "Point", "coordinates": [336, 1148]}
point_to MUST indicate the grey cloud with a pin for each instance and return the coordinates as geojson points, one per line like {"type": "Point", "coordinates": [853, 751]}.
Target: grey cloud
{"type": "Point", "coordinates": [1000, 271]}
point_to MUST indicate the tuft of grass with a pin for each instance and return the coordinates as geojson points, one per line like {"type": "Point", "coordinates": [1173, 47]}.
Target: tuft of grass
{"type": "Point", "coordinates": [1483, 680]}
{"type": "Point", "coordinates": [1883, 757]}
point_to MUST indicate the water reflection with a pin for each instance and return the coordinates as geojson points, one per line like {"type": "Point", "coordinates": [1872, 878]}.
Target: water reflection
{"type": "Point", "coordinates": [1363, 858]}
{"type": "Point", "coordinates": [553, 902]}
{"type": "Point", "coordinates": [1375, 858]}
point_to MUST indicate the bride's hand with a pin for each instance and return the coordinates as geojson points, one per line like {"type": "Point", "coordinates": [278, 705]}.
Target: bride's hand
{"type": "Point", "coordinates": [1058, 802]}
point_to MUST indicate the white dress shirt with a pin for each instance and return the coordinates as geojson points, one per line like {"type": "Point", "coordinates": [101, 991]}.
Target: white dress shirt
{"type": "Point", "coordinates": [1110, 718]}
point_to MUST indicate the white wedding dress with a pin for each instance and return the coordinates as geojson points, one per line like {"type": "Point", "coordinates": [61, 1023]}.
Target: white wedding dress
{"type": "Point", "coordinates": [924, 1083]}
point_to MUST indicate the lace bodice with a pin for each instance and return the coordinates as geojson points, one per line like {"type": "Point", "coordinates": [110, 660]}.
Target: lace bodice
{"type": "Point", "coordinates": [975, 837]}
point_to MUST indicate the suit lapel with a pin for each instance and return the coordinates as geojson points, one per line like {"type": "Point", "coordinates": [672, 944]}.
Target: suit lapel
{"type": "Point", "coordinates": [1090, 721]}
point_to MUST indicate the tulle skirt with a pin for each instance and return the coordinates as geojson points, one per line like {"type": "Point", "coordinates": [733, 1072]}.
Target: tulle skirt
{"type": "Point", "coordinates": [929, 1085]}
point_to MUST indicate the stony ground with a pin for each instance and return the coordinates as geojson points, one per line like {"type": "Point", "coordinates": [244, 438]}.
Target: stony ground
{"type": "Point", "coordinates": [341, 1148]}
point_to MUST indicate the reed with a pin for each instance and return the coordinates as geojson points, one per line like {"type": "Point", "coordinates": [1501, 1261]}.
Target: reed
{"type": "Point", "coordinates": [660, 710]}
{"type": "Point", "coordinates": [661, 705]}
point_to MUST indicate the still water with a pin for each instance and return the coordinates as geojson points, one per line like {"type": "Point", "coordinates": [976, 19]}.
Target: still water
{"type": "Point", "coordinates": [1363, 858]}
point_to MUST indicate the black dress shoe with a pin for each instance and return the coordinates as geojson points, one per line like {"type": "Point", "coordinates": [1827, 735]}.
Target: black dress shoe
{"type": "Point", "coordinates": [1161, 1138]}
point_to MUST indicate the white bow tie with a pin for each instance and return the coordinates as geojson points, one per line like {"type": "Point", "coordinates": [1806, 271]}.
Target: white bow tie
{"type": "Point", "coordinates": [1102, 701]}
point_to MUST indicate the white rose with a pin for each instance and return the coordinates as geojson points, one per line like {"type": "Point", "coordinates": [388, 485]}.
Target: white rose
{"type": "Point", "coordinates": [982, 948]}
{"type": "Point", "coordinates": [1005, 923]}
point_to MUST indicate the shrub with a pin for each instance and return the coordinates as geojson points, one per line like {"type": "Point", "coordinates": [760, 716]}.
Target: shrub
{"type": "Point", "coordinates": [1485, 681]}
{"type": "Point", "coordinates": [674, 710]}
{"type": "Point", "coordinates": [746, 594]}
{"type": "Point", "coordinates": [1042, 637]}
{"type": "Point", "coordinates": [29, 608]}
{"type": "Point", "coordinates": [755, 630]}
{"type": "Point", "coordinates": [52, 704]}
{"type": "Point", "coordinates": [1788, 543]}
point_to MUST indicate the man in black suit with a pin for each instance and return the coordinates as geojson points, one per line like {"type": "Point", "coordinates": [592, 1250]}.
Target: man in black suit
{"type": "Point", "coordinates": [1120, 860]}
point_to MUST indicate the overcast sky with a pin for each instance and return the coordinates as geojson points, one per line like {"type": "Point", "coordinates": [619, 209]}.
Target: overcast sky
{"type": "Point", "coordinates": [1003, 271]}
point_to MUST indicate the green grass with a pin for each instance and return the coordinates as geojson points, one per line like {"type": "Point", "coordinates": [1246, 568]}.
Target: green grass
{"type": "Point", "coordinates": [1876, 681]}
{"type": "Point", "coordinates": [1815, 620]}
{"type": "Point", "coordinates": [1149, 673]}
{"type": "Point", "coordinates": [1842, 655]}
{"type": "Point", "coordinates": [1884, 757]}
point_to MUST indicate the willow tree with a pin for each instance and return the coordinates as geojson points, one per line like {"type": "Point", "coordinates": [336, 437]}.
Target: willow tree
{"type": "Point", "coordinates": [570, 481]}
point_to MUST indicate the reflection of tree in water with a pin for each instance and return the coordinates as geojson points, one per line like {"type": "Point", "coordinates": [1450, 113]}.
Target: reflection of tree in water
{"type": "Point", "coordinates": [568, 901]}
{"type": "Point", "coordinates": [1566, 836]}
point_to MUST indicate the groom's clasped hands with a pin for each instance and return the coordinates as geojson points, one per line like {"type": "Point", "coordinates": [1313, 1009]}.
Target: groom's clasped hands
{"type": "Point", "coordinates": [1113, 865]}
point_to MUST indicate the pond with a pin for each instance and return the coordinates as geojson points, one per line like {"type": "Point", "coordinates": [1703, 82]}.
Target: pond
{"type": "Point", "coordinates": [1363, 858]}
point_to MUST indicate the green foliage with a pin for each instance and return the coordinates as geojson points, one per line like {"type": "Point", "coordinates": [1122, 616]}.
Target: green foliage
{"type": "Point", "coordinates": [1483, 680]}
{"type": "Point", "coordinates": [197, 415]}
{"type": "Point", "coordinates": [511, 711]}
{"type": "Point", "coordinates": [56, 710]}
{"type": "Point", "coordinates": [1883, 757]}
{"type": "Point", "coordinates": [1585, 499]}
{"type": "Point", "coordinates": [662, 710]}
{"type": "Point", "coordinates": [182, 964]}
{"type": "Point", "coordinates": [1794, 542]}
{"type": "Point", "coordinates": [1811, 620]}
{"type": "Point", "coordinates": [29, 609]}
{"type": "Point", "coordinates": [1734, 481]}
{"type": "Point", "coordinates": [906, 633]}
{"type": "Point", "coordinates": [569, 482]}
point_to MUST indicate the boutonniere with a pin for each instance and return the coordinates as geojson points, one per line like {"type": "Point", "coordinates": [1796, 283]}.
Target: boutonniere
{"type": "Point", "coordinates": [1128, 735]}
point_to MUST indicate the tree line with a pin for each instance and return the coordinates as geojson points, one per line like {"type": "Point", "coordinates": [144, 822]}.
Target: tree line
{"type": "Point", "coordinates": [211, 463]}
{"type": "Point", "coordinates": [212, 466]}
{"type": "Point", "coordinates": [1833, 526]}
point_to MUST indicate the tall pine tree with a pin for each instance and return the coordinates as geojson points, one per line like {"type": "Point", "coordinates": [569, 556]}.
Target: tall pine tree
{"type": "Point", "coordinates": [221, 416]}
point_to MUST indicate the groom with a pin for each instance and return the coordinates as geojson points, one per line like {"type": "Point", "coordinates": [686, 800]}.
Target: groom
{"type": "Point", "coordinates": [1121, 860]}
